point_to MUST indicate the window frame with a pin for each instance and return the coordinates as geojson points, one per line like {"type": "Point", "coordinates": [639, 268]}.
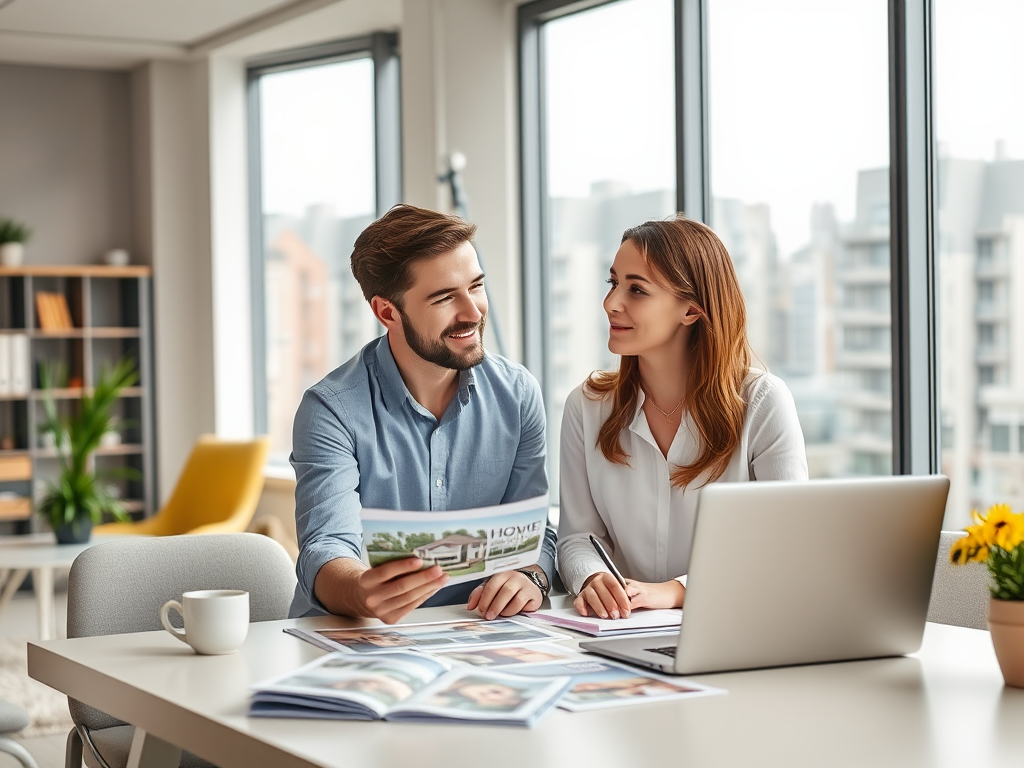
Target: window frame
{"type": "Point", "coordinates": [912, 199]}
{"type": "Point", "coordinates": [382, 48]}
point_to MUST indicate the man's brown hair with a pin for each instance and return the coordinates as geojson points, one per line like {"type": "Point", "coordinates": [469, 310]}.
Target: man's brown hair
{"type": "Point", "coordinates": [384, 250]}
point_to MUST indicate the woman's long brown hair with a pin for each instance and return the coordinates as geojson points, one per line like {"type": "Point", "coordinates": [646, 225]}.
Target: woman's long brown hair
{"type": "Point", "coordinates": [691, 260]}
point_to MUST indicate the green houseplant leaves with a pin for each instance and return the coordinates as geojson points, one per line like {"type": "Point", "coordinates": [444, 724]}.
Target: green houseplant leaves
{"type": "Point", "coordinates": [80, 494]}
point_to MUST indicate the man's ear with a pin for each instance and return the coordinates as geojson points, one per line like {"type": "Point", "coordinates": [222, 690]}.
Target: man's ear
{"type": "Point", "coordinates": [386, 312]}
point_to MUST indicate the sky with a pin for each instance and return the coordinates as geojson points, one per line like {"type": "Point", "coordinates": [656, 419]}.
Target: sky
{"type": "Point", "coordinates": [798, 94]}
{"type": "Point", "coordinates": [317, 136]}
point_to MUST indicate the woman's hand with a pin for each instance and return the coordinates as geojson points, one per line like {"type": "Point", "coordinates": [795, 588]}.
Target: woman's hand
{"type": "Point", "coordinates": [665, 594]}
{"type": "Point", "coordinates": [602, 596]}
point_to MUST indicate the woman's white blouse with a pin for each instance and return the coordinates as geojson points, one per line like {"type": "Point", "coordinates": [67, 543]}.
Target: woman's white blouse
{"type": "Point", "coordinates": [645, 523]}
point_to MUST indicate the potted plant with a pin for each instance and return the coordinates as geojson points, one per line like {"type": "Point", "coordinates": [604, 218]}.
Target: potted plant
{"type": "Point", "coordinates": [13, 236]}
{"type": "Point", "coordinates": [997, 539]}
{"type": "Point", "coordinates": [79, 498]}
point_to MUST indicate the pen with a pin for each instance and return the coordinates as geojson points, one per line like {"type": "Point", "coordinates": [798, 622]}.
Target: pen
{"type": "Point", "coordinates": [608, 562]}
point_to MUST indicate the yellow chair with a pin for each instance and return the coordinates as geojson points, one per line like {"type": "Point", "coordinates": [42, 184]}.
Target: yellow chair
{"type": "Point", "coordinates": [217, 492]}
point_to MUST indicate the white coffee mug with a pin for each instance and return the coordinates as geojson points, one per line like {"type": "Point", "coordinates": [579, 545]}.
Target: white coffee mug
{"type": "Point", "coordinates": [216, 620]}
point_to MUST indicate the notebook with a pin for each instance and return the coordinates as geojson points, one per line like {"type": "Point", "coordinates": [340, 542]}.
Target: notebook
{"type": "Point", "coordinates": [785, 573]}
{"type": "Point", "coordinates": [638, 621]}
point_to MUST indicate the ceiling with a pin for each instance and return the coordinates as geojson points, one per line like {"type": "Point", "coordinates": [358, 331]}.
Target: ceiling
{"type": "Point", "coordinates": [120, 34]}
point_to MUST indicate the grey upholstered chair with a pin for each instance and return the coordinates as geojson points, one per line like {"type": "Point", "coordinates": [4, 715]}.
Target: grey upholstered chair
{"type": "Point", "coordinates": [118, 587]}
{"type": "Point", "coordinates": [13, 719]}
{"type": "Point", "coordinates": [959, 592]}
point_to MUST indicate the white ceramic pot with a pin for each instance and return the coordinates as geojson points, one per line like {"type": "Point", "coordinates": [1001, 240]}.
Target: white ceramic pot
{"type": "Point", "coordinates": [12, 254]}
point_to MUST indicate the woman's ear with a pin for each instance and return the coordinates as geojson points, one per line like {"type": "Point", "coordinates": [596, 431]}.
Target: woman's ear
{"type": "Point", "coordinates": [693, 314]}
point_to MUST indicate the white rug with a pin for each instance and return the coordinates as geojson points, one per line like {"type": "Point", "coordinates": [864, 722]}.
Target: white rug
{"type": "Point", "coordinates": [47, 708]}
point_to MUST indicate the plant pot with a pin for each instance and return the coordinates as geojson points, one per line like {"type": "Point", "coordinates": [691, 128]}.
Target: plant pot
{"type": "Point", "coordinates": [12, 254]}
{"type": "Point", "coordinates": [1006, 623]}
{"type": "Point", "coordinates": [77, 532]}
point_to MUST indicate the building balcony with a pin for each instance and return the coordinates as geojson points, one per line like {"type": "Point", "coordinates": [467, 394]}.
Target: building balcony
{"type": "Point", "coordinates": [859, 274]}
{"type": "Point", "coordinates": [852, 360]}
{"type": "Point", "coordinates": [987, 269]}
{"type": "Point", "coordinates": [992, 354]}
{"type": "Point", "coordinates": [873, 316]}
{"type": "Point", "coordinates": [991, 310]}
{"type": "Point", "coordinates": [865, 400]}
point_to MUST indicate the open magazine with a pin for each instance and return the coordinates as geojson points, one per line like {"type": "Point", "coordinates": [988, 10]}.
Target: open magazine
{"type": "Point", "coordinates": [468, 544]}
{"type": "Point", "coordinates": [596, 683]}
{"type": "Point", "coordinates": [406, 687]}
{"type": "Point", "coordinates": [433, 636]}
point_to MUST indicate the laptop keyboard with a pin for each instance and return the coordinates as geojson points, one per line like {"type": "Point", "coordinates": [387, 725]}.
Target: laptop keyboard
{"type": "Point", "coordinates": [668, 650]}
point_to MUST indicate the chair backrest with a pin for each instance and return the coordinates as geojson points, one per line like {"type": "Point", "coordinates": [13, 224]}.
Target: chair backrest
{"type": "Point", "coordinates": [221, 479]}
{"type": "Point", "coordinates": [960, 593]}
{"type": "Point", "coordinates": [119, 587]}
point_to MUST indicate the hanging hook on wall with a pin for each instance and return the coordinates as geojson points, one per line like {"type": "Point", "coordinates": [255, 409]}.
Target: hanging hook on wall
{"type": "Point", "coordinates": [453, 178]}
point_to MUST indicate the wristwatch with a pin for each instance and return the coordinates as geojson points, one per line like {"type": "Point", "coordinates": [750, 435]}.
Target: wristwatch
{"type": "Point", "coordinates": [537, 577]}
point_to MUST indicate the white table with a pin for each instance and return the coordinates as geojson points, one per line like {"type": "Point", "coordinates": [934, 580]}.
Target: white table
{"type": "Point", "coordinates": [41, 554]}
{"type": "Point", "coordinates": [944, 706]}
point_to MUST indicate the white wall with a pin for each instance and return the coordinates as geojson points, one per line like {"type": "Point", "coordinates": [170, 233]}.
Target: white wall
{"type": "Point", "coordinates": [459, 94]}
{"type": "Point", "coordinates": [65, 161]}
{"type": "Point", "coordinates": [171, 116]}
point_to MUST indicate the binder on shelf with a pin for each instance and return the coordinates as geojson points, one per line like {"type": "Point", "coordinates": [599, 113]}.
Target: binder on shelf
{"type": "Point", "coordinates": [5, 364]}
{"type": "Point", "coordinates": [19, 365]}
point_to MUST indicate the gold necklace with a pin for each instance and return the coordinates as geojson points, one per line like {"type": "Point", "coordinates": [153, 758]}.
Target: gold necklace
{"type": "Point", "coordinates": [668, 415]}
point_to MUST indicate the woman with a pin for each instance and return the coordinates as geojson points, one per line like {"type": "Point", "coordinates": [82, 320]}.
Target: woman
{"type": "Point", "coordinates": [684, 409]}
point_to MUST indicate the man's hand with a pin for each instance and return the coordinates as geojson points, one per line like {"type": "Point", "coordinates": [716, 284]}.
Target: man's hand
{"type": "Point", "coordinates": [393, 589]}
{"type": "Point", "coordinates": [604, 597]}
{"type": "Point", "coordinates": [347, 587]}
{"type": "Point", "coordinates": [505, 594]}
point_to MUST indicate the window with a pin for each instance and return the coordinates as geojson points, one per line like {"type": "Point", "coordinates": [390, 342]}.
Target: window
{"type": "Point", "coordinates": [816, 277]}
{"type": "Point", "coordinates": [811, 153]}
{"type": "Point", "coordinates": [981, 205]}
{"type": "Point", "coordinates": [1000, 438]}
{"type": "Point", "coordinates": [321, 120]}
{"type": "Point", "coordinates": [605, 171]}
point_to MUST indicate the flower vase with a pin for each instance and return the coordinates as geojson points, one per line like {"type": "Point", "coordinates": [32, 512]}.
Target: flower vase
{"type": "Point", "coordinates": [12, 254]}
{"type": "Point", "coordinates": [1006, 623]}
{"type": "Point", "coordinates": [76, 532]}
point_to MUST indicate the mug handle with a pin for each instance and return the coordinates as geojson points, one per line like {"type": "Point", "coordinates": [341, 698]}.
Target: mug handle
{"type": "Point", "coordinates": [164, 610]}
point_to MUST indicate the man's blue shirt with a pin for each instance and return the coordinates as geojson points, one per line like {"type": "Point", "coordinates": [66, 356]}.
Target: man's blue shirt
{"type": "Point", "coordinates": [361, 440]}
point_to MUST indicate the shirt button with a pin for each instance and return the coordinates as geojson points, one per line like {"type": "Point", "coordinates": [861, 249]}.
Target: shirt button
{"type": "Point", "coordinates": [661, 549]}
{"type": "Point", "coordinates": [439, 483]}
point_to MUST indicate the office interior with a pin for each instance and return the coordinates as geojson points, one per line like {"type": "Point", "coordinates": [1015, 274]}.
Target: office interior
{"type": "Point", "coordinates": [895, 315]}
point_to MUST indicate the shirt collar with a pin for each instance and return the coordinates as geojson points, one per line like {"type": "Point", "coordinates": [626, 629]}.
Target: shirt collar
{"type": "Point", "coordinates": [393, 385]}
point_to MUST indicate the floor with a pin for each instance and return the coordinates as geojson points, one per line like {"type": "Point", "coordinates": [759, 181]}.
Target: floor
{"type": "Point", "coordinates": [19, 620]}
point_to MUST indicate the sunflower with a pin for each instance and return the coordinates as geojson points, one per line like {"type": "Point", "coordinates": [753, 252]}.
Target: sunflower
{"type": "Point", "coordinates": [1002, 528]}
{"type": "Point", "coordinates": [971, 548]}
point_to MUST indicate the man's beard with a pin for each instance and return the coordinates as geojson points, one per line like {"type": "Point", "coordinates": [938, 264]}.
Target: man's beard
{"type": "Point", "coordinates": [437, 352]}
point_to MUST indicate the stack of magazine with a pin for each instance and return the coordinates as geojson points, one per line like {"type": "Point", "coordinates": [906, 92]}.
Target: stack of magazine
{"type": "Point", "coordinates": [500, 672]}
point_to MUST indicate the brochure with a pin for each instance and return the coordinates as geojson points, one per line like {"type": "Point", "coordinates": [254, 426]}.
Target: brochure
{"type": "Point", "coordinates": [435, 636]}
{"type": "Point", "coordinates": [657, 620]}
{"type": "Point", "coordinates": [509, 655]}
{"type": "Point", "coordinates": [468, 544]}
{"type": "Point", "coordinates": [601, 684]}
{"type": "Point", "coordinates": [406, 687]}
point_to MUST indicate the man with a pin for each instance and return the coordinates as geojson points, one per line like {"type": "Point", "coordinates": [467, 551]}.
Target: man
{"type": "Point", "coordinates": [421, 419]}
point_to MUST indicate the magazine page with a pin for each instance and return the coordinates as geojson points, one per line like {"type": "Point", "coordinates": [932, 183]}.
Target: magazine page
{"type": "Point", "coordinates": [343, 686]}
{"type": "Point", "coordinates": [468, 544]}
{"type": "Point", "coordinates": [433, 636]}
{"type": "Point", "coordinates": [484, 696]}
{"type": "Point", "coordinates": [510, 655]}
{"type": "Point", "coordinates": [601, 684]}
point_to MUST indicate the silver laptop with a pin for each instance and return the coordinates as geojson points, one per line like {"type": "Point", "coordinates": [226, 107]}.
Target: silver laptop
{"type": "Point", "coordinates": [788, 573]}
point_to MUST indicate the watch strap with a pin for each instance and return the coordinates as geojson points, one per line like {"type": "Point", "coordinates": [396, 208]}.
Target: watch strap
{"type": "Point", "coordinates": [539, 580]}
